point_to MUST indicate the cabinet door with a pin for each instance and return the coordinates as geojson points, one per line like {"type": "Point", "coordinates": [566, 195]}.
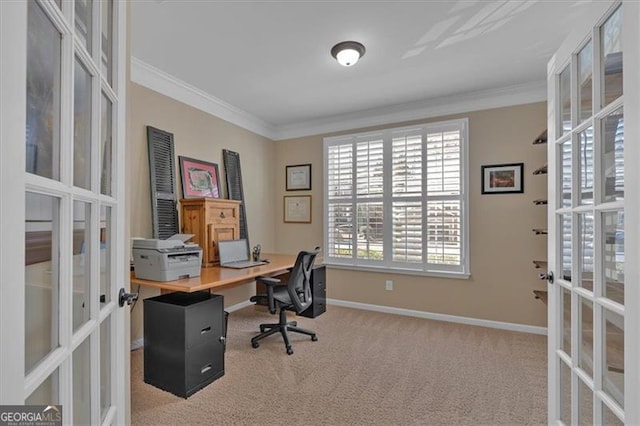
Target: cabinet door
{"type": "Point", "coordinates": [221, 232]}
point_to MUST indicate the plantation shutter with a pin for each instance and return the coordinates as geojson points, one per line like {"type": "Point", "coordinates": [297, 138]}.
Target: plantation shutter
{"type": "Point", "coordinates": [444, 205]}
{"type": "Point", "coordinates": [161, 173]}
{"type": "Point", "coordinates": [397, 199]}
{"type": "Point", "coordinates": [233, 175]}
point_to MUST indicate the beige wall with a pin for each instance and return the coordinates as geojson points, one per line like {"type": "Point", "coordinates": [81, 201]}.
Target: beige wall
{"type": "Point", "coordinates": [203, 136]}
{"type": "Point", "coordinates": [502, 244]}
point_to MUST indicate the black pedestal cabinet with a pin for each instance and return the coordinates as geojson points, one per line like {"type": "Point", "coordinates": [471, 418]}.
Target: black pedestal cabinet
{"type": "Point", "coordinates": [184, 341]}
{"type": "Point", "coordinates": [318, 293]}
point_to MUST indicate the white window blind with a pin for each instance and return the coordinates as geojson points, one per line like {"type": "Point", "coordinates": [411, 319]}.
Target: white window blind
{"type": "Point", "coordinates": [409, 205]}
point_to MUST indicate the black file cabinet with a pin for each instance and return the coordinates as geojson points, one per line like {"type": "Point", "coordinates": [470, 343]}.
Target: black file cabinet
{"type": "Point", "coordinates": [184, 341]}
{"type": "Point", "coordinates": [318, 293]}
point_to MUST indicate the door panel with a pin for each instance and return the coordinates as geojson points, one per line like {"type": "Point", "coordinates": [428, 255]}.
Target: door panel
{"type": "Point", "coordinates": [61, 165]}
{"type": "Point", "coordinates": [588, 381]}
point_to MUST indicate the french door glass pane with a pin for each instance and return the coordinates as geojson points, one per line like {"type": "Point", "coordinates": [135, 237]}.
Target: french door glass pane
{"type": "Point", "coordinates": [613, 255]}
{"type": "Point", "coordinates": [42, 277]}
{"type": "Point", "coordinates": [585, 409]}
{"type": "Point", "coordinates": [370, 236]}
{"type": "Point", "coordinates": [585, 352]}
{"type": "Point", "coordinates": [585, 84]}
{"type": "Point", "coordinates": [565, 393]}
{"type": "Point", "coordinates": [611, 34]}
{"type": "Point", "coordinates": [82, 384]}
{"type": "Point", "coordinates": [105, 367]}
{"type": "Point", "coordinates": [82, 127]}
{"type": "Point", "coordinates": [84, 22]}
{"type": "Point", "coordinates": [610, 419]}
{"type": "Point", "coordinates": [613, 156]}
{"type": "Point", "coordinates": [107, 39]}
{"type": "Point", "coordinates": [105, 253]}
{"type": "Point", "coordinates": [47, 393]}
{"type": "Point", "coordinates": [43, 95]}
{"type": "Point", "coordinates": [585, 165]}
{"type": "Point", "coordinates": [565, 223]}
{"type": "Point", "coordinates": [565, 173]}
{"type": "Point", "coordinates": [565, 101]}
{"type": "Point", "coordinates": [613, 368]}
{"type": "Point", "coordinates": [106, 145]}
{"type": "Point", "coordinates": [81, 263]}
{"type": "Point", "coordinates": [565, 343]}
{"type": "Point", "coordinates": [585, 236]}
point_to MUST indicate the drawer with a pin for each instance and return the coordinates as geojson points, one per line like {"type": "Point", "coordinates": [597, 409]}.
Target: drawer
{"type": "Point", "coordinates": [203, 322]}
{"type": "Point", "coordinates": [204, 363]}
{"type": "Point", "coordinates": [222, 214]}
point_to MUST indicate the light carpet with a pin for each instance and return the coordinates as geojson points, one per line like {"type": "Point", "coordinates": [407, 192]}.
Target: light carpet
{"type": "Point", "coordinates": [367, 368]}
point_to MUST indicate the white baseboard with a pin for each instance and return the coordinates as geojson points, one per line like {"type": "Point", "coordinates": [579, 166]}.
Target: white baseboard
{"type": "Point", "coordinates": [440, 317]}
{"type": "Point", "coordinates": [138, 343]}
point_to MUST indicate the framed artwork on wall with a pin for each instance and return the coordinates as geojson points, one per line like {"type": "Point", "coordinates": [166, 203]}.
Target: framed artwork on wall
{"type": "Point", "coordinates": [297, 209]}
{"type": "Point", "coordinates": [200, 179]}
{"type": "Point", "coordinates": [503, 178]}
{"type": "Point", "coordinates": [299, 177]}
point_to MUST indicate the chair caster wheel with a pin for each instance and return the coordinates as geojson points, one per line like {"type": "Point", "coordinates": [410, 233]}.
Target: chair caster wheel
{"type": "Point", "coordinates": [262, 329]}
{"type": "Point", "coordinates": [289, 351]}
{"type": "Point", "coordinates": [255, 344]}
{"type": "Point", "coordinates": [314, 338]}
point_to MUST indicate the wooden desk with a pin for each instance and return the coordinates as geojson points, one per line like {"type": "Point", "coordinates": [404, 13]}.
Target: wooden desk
{"type": "Point", "coordinates": [217, 278]}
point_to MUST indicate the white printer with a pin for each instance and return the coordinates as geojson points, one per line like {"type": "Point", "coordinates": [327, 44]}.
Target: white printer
{"type": "Point", "coordinates": [166, 260]}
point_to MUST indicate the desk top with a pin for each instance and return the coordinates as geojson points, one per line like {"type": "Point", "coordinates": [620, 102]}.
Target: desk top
{"type": "Point", "coordinates": [215, 277]}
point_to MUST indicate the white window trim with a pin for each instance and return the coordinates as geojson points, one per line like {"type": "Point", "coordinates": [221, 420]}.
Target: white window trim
{"type": "Point", "coordinates": [422, 269]}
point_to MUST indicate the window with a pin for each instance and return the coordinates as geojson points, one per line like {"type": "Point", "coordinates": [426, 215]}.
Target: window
{"type": "Point", "coordinates": [397, 199]}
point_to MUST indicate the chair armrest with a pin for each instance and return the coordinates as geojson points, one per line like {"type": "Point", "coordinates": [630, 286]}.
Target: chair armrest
{"type": "Point", "coordinates": [269, 284]}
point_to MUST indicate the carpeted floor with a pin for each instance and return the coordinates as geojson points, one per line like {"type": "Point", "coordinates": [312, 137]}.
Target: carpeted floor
{"type": "Point", "coordinates": [367, 368]}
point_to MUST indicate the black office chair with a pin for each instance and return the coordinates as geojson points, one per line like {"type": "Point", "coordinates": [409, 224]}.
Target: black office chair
{"type": "Point", "coordinates": [294, 296]}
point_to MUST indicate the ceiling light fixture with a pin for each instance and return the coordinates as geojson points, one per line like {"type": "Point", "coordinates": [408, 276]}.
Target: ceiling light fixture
{"type": "Point", "coordinates": [347, 53]}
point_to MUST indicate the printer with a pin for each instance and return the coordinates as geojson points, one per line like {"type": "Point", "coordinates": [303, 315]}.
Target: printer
{"type": "Point", "coordinates": [166, 260]}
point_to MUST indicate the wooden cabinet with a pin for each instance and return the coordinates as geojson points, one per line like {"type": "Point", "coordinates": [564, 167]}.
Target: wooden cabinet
{"type": "Point", "coordinates": [210, 220]}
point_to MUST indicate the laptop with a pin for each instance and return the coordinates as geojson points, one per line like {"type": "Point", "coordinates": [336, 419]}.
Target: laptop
{"type": "Point", "coordinates": [235, 254]}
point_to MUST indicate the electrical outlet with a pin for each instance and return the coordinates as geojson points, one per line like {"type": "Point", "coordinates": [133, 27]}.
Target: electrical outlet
{"type": "Point", "coordinates": [388, 285]}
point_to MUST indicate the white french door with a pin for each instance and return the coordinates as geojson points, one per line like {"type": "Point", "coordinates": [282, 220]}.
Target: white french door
{"type": "Point", "coordinates": [62, 331]}
{"type": "Point", "coordinates": [594, 298]}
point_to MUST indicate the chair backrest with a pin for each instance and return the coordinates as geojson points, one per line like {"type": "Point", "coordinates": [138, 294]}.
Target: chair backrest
{"type": "Point", "coordinates": [299, 285]}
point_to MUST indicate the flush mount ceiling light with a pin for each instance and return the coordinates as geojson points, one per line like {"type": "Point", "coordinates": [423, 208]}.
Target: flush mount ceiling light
{"type": "Point", "coordinates": [347, 53]}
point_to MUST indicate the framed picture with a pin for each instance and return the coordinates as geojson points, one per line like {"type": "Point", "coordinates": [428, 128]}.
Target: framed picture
{"type": "Point", "coordinates": [503, 178]}
{"type": "Point", "coordinates": [297, 209]}
{"type": "Point", "coordinates": [299, 177]}
{"type": "Point", "coordinates": [199, 178]}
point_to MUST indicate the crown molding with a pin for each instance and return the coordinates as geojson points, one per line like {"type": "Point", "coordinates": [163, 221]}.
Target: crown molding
{"type": "Point", "coordinates": [472, 101]}
{"type": "Point", "coordinates": [168, 85]}
{"type": "Point", "coordinates": [157, 80]}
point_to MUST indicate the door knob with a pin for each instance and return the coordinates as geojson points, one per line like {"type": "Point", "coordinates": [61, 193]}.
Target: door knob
{"type": "Point", "coordinates": [123, 297]}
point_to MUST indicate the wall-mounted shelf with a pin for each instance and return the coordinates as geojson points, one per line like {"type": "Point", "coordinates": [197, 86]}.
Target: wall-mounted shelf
{"type": "Point", "coordinates": [541, 294]}
{"type": "Point", "coordinates": [541, 139]}
{"type": "Point", "coordinates": [541, 170]}
{"type": "Point", "coordinates": [540, 264]}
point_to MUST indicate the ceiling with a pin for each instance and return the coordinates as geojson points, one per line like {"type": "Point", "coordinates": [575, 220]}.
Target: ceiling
{"type": "Point", "coordinates": [267, 63]}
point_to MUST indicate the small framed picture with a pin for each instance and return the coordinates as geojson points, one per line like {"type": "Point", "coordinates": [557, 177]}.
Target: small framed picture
{"type": "Point", "coordinates": [200, 179]}
{"type": "Point", "coordinates": [299, 177]}
{"type": "Point", "coordinates": [503, 178]}
{"type": "Point", "coordinates": [297, 209]}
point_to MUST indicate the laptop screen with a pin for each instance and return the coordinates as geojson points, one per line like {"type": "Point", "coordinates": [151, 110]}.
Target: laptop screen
{"type": "Point", "coordinates": [233, 251]}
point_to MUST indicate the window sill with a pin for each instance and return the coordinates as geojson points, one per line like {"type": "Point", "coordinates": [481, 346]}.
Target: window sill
{"type": "Point", "coordinates": [401, 271]}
